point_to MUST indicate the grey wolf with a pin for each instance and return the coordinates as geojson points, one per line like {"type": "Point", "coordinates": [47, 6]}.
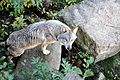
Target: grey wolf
{"type": "Point", "coordinates": [41, 33]}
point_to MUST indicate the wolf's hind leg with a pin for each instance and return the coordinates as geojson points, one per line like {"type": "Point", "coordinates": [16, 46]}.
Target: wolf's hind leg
{"type": "Point", "coordinates": [44, 46]}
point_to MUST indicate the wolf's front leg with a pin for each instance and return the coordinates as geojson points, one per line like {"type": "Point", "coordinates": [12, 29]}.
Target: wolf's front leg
{"type": "Point", "coordinates": [44, 46]}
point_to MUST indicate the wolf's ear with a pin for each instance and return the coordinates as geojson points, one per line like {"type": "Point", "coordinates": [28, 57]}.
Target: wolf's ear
{"type": "Point", "coordinates": [75, 30]}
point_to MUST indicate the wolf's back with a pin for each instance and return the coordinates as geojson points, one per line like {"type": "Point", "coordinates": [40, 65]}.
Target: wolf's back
{"type": "Point", "coordinates": [34, 31]}
{"type": "Point", "coordinates": [35, 34]}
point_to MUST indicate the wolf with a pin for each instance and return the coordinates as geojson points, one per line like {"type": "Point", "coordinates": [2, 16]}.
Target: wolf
{"type": "Point", "coordinates": [41, 33]}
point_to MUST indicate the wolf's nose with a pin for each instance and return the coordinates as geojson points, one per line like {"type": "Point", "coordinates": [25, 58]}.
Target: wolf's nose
{"type": "Point", "coordinates": [69, 48]}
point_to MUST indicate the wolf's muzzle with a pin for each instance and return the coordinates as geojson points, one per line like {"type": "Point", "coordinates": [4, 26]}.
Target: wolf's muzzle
{"type": "Point", "coordinates": [68, 47]}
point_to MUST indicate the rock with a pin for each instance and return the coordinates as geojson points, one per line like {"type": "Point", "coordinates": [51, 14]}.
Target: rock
{"type": "Point", "coordinates": [72, 76]}
{"type": "Point", "coordinates": [101, 76]}
{"type": "Point", "coordinates": [53, 59]}
{"type": "Point", "coordinates": [99, 25]}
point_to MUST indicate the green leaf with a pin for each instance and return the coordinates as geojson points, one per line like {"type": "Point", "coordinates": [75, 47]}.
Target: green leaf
{"type": "Point", "coordinates": [67, 1]}
{"type": "Point", "coordinates": [11, 77]}
{"type": "Point", "coordinates": [77, 70]}
{"type": "Point", "coordinates": [2, 58]}
{"type": "Point", "coordinates": [88, 73]}
{"type": "Point", "coordinates": [6, 74]}
{"type": "Point", "coordinates": [6, 33]}
{"type": "Point", "coordinates": [91, 60]}
{"type": "Point", "coordinates": [3, 65]}
{"type": "Point", "coordinates": [84, 65]}
{"type": "Point", "coordinates": [33, 2]}
{"type": "Point", "coordinates": [85, 60]}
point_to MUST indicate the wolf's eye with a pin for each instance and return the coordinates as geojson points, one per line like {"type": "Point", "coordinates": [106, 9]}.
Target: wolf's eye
{"type": "Point", "coordinates": [64, 31]}
{"type": "Point", "coordinates": [72, 40]}
{"type": "Point", "coordinates": [65, 39]}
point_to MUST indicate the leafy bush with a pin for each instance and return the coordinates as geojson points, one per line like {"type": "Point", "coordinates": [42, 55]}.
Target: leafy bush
{"type": "Point", "coordinates": [82, 59]}
{"type": "Point", "coordinates": [5, 4]}
{"type": "Point", "coordinates": [15, 7]}
{"type": "Point", "coordinates": [40, 71]}
{"type": "Point", "coordinates": [67, 67]}
{"type": "Point", "coordinates": [18, 7]}
{"type": "Point", "coordinates": [85, 71]}
{"type": "Point", "coordinates": [70, 2]}
{"type": "Point", "coordinates": [87, 60]}
{"type": "Point", "coordinates": [18, 23]}
{"type": "Point", "coordinates": [3, 32]}
{"type": "Point", "coordinates": [6, 69]}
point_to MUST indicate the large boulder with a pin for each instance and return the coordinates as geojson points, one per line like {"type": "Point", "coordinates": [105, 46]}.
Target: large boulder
{"type": "Point", "coordinates": [53, 59]}
{"type": "Point", "coordinates": [99, 25]}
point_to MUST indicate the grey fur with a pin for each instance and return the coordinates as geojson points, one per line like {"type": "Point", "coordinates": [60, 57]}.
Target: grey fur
{"type": "Point", "coordinates": [44, 33]}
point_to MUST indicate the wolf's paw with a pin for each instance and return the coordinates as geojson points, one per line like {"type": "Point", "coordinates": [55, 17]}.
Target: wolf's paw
{"type": "Point", "coordinates": [46, 52]}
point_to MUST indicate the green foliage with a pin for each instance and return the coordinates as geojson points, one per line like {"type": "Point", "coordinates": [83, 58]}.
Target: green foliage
{"type": "Point", "coordinates": [33, 3]}
{"type": "Point", "coordinates": [82, 60]}
{"type": "Point", "coordinates": [88, 73]}
{"type": "Point", "coordinates": [70, 2]}
{"type": "Point", "coordinates": [3, 35]}
{"type": "Point", "coordinates": [2, 49]}
{"type": "Point", "coordinates": [3, 32]}
{"type": "Point", "coordinates": [19, 22]}
{"type": "Point", "coordinates": [5, 4]}
{"type": "Point", "coordinates": [40, 71]}
{"type": "Point", "coordinates": [110, 67]}
{"type": "Point", "coordinates": [88, 60]}
{"type": "Point", "coordinates": [6, 69]}
{"type": "Point", "coordinates": [57, 75]}
{"type": "Point", "coordinates": [18, 7]}
{"type": "Point", "coordinates": [67, 67]}
{"type": "Point", "coordinates": [15, 7]}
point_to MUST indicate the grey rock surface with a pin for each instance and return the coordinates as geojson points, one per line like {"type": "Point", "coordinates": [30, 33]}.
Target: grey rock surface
{"type": "Point", "coordinates": [101, 76]}
{"type": "Point", "coordinates": [99, 25]}
{"type": "Point", "coordinates": [72, 76]}
{"type": "Point", "coordinates": [53, 59]}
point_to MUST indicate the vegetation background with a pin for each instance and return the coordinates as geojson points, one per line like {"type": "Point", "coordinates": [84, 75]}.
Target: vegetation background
{"type": "Point", "coordinates": [17, 14]}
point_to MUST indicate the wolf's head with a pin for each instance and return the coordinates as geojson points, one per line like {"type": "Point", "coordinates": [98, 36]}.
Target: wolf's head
{"type": "Point", "coordinates": [67, 38]}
